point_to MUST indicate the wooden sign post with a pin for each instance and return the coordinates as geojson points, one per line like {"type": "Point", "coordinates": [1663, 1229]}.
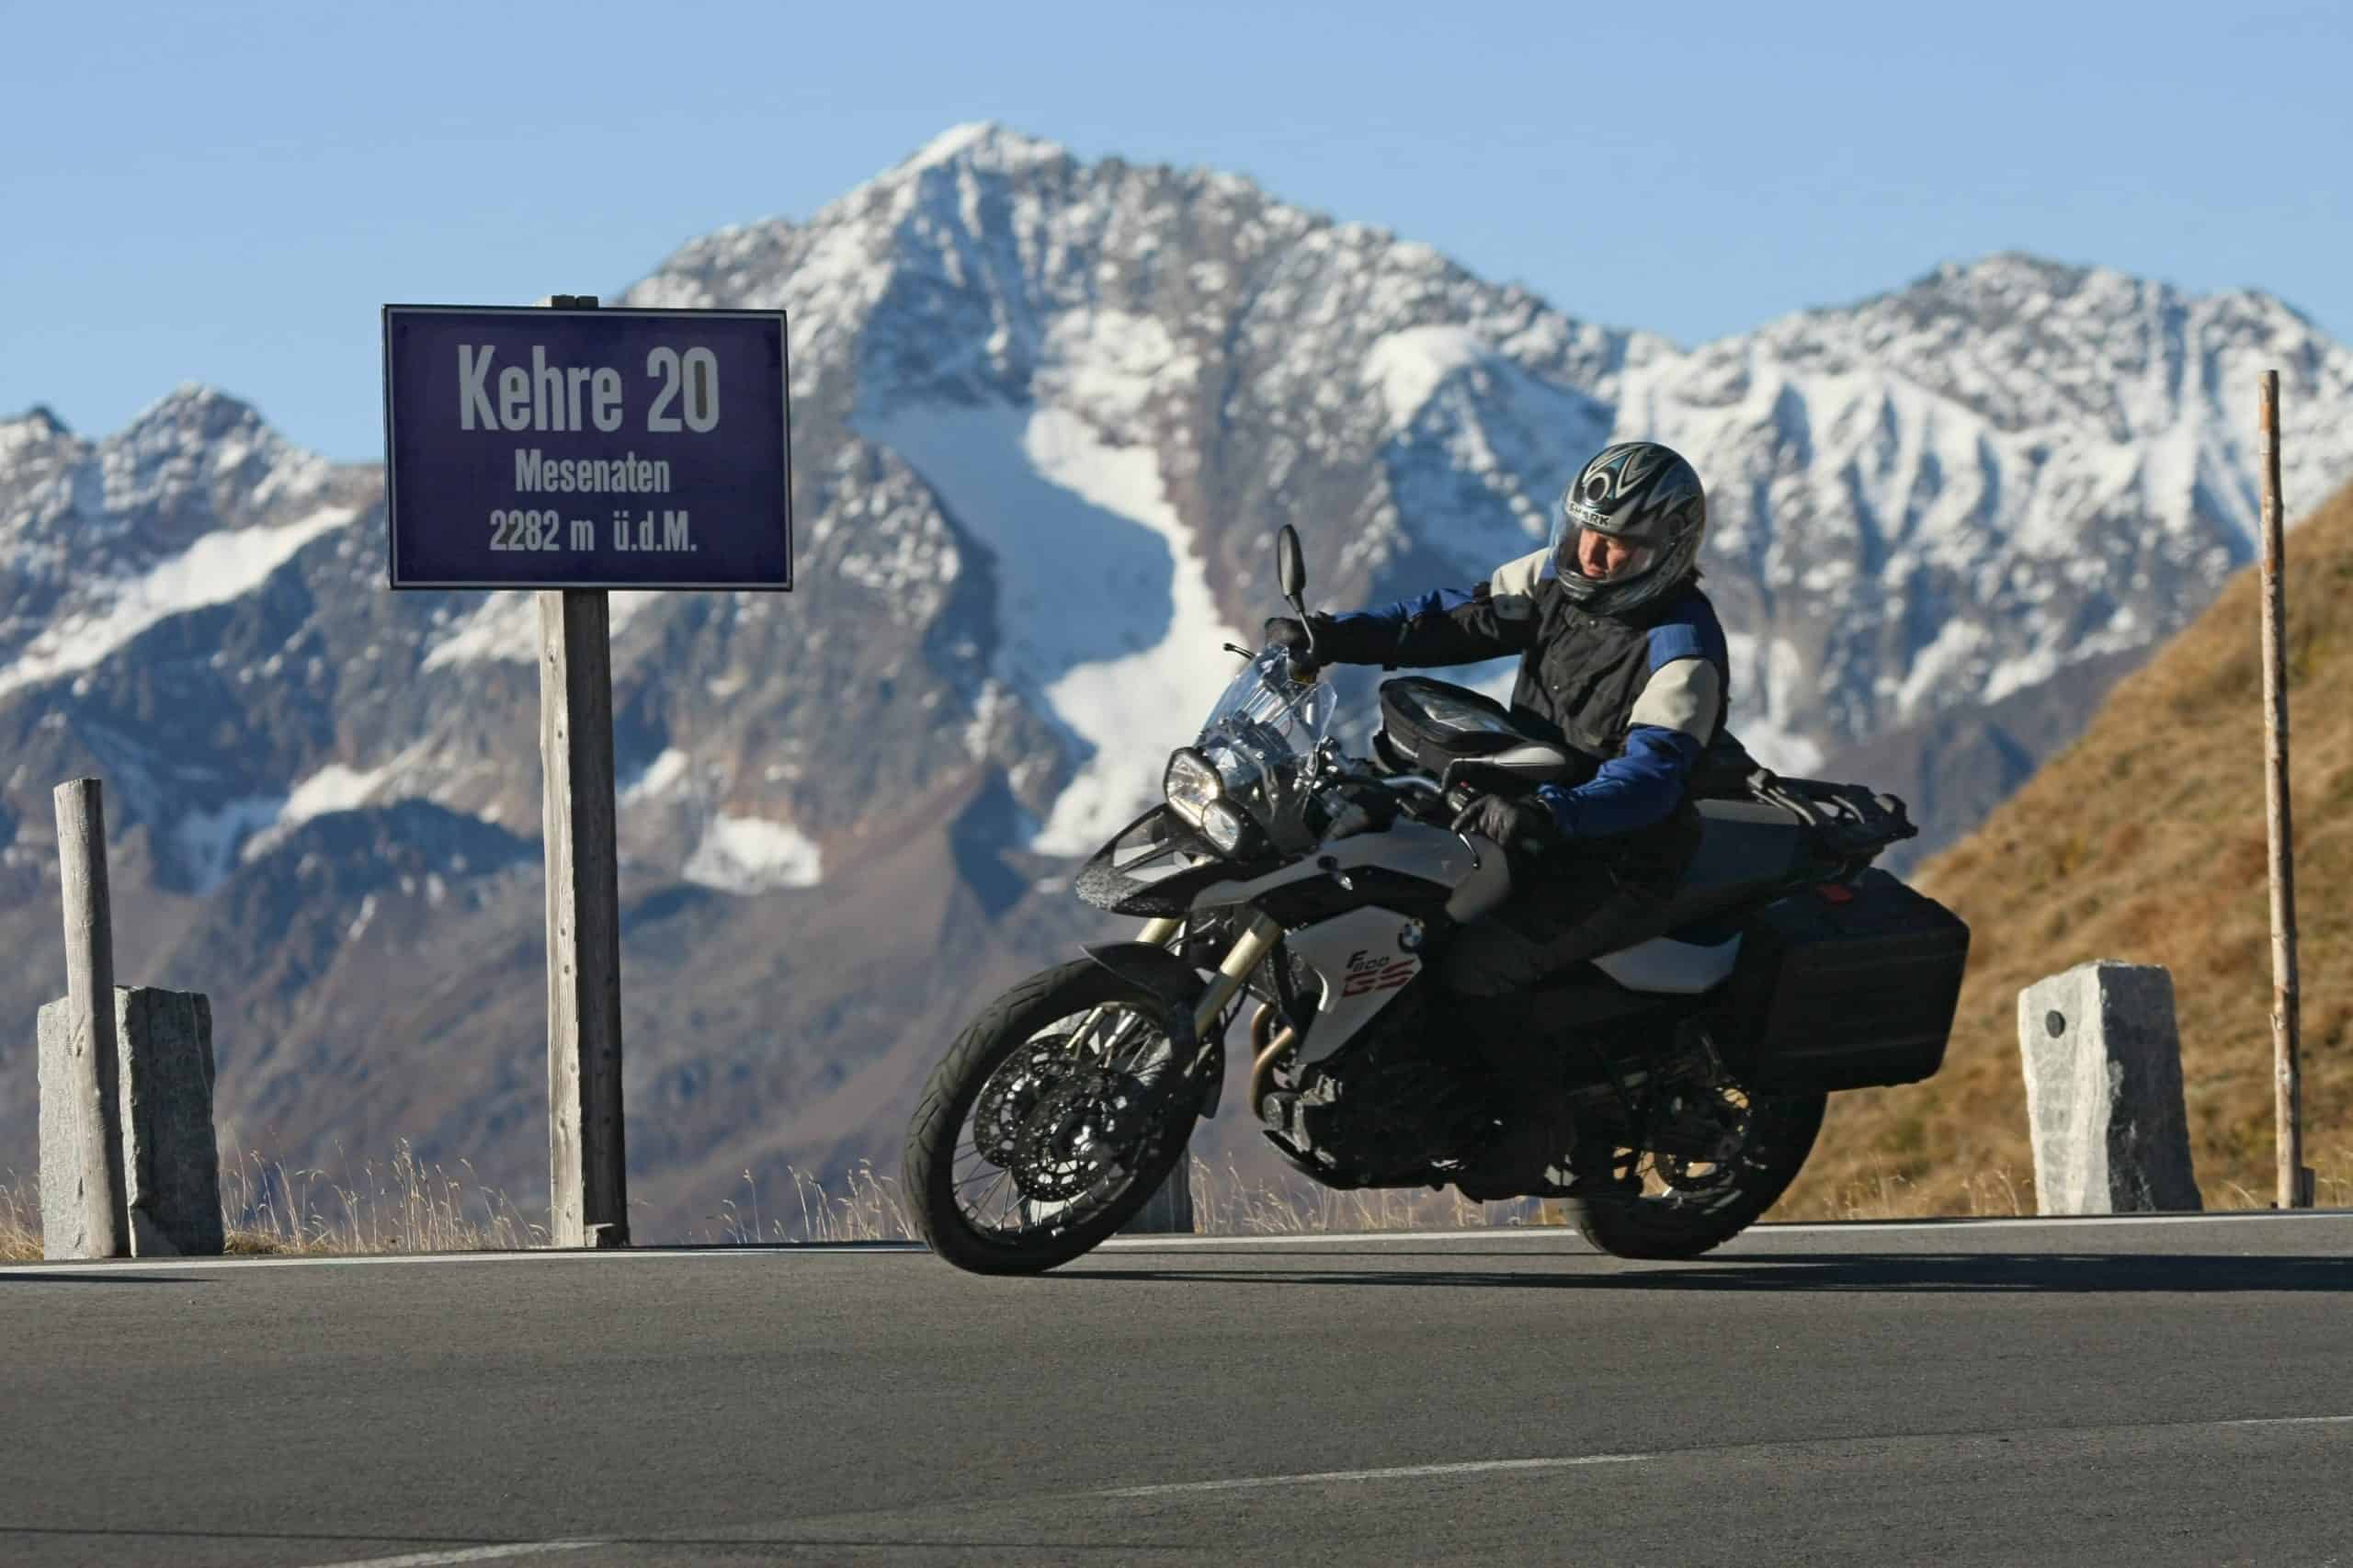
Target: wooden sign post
{"type": "Point", "coordinates": [587, 1154]}
{"type": "Point", "coordinates": [572, 451]}
{"type": "Point", "coordinates": [96, 1092]}
{"type": "Point", "coordinates": [2295, 1185]}
{"type": "Point", "coordinates": [587, 1171]}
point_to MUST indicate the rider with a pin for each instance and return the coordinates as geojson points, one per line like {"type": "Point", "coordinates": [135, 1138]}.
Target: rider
{"type": "Point", "coordinates": [1621, 658]}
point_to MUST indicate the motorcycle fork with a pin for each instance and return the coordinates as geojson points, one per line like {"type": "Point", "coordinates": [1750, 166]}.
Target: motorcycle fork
{"type": "Point", "coordinates": [1233, 971]}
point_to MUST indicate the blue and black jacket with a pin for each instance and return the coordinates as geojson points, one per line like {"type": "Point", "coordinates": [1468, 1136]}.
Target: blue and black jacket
{"type": "Point", "coordinates": [1639, 697]}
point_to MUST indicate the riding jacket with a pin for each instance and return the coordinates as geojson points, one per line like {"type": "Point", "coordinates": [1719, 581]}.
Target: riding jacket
{"type": "Point", "coordinates": [1637, 698]}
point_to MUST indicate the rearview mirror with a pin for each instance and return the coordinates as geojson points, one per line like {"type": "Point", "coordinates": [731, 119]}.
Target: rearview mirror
{"type": "Point", "coordinates": [1290, 570]}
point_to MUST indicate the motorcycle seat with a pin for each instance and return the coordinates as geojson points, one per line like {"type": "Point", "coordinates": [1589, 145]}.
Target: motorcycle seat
{"type": "Point", "coordinates": [1746, 848]}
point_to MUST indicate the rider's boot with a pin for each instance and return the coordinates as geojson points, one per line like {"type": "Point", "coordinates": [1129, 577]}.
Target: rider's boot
{"type": "Point", "coordinates": [1536, 1145]}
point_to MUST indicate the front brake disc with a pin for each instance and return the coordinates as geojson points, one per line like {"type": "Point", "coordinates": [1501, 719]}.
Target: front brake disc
{"type": "Point", "coordinates": [1086, 1127]}
{"type": "Point", "coordinates": [1013, 1091]}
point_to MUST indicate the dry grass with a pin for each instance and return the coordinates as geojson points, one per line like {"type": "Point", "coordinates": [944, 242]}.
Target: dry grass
{"type": "Point", "coordinates": [2144, 842]}
{"type": "Point", "coordinates": [19, 1221]}
{"type": "Point", "coordinates": [403, 1205]}
{"type": "Point", "coordinates": [863, 1208]}
{"type": "Point", "coordinates": [269, 1207]}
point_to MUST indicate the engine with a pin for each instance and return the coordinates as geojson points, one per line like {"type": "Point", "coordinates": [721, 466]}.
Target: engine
{"type": "Point", "coordinates": [1384, 1111]}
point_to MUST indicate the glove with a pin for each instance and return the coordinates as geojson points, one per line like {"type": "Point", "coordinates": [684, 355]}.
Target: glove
{"type": "Point", "coordinates": [1521, 823]}
{"type": "Point", "coordinates": [1290, 635]}
{"type": "Point", "coordinates": [1282, 631]}
{"type": "Point", "coordinates": [1335, 642]}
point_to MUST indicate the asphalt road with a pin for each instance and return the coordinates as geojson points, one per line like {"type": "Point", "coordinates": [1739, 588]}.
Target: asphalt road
{"type": "Point", "coordinates": [2077, 1391]}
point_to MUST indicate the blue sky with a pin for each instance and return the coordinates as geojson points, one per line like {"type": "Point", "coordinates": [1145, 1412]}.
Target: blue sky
{"type": "Point", "coordinates": [226, 193]}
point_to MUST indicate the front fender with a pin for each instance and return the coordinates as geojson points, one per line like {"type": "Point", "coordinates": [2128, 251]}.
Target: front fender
{"type": "Point", "coordinates": [1172, 983]}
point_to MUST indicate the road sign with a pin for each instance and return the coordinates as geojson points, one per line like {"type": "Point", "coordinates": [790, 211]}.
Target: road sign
{"type": "Point", "coordinates": [586, 448]}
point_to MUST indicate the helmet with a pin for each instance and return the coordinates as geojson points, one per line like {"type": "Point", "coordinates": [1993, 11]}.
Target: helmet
{"type": "Point", "coordinates": [1645, 495]}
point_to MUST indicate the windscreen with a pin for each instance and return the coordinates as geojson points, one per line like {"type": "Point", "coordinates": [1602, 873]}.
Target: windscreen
{"type": "Point", "coordinates": [1267, 704]}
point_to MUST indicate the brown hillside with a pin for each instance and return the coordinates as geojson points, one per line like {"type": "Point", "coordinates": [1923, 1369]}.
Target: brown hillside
{"type": "Point", "coordinates": [2144, 842]}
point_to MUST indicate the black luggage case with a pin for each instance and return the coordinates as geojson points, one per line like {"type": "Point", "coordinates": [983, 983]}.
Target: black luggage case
{"type": "Point", "coordinates": [1846, 986]}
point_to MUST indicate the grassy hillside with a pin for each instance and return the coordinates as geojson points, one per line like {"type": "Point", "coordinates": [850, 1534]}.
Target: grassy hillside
{"type": "Point", "coordinates": [2144, 842]}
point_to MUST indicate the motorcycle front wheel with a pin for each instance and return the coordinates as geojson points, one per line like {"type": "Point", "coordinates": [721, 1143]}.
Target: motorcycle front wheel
{"type": "Point", "coordinates": [1051, 1121]}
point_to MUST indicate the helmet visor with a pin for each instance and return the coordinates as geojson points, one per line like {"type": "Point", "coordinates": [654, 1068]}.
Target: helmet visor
{"type": "Point", "coordinates": [1598, 557]}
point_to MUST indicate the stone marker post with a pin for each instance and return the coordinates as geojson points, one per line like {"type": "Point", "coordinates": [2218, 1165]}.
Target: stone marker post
{"type": "Point", "coordinates": [170, 1159]}
{"type": "Point", "coordinates": [128, 1162]}
{"type": "Point", "coordinates": [2103, 1091]}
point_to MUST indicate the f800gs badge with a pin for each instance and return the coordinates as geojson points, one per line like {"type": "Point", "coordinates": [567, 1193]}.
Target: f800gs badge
{"type": "Point", "coordinates": [1369, 972]}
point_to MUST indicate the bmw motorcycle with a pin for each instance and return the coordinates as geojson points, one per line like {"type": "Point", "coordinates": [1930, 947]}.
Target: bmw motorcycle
{"type": "Point", "coordinates": [1313, 888]}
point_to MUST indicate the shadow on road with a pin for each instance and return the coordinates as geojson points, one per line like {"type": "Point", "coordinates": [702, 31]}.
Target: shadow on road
{"type": "Point", "coordinates": [2061, 1274]}
{"type": "Point", "coordinates": [467, 1548]}
{"type": "Point", "coordinates": [59, 1277]}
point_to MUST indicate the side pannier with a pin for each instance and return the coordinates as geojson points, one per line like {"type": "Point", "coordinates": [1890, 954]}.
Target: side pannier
{"type": "Point", "coordinates": [1846, 985]}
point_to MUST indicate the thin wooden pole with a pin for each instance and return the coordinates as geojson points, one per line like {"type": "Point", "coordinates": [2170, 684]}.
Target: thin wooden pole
{"type": "Point", "coordinates": [587, 1160]}
{"type": "Point", "coordinates": [588, 1169]}
{"type": "Point", "coordinates": [2286, 1020]}
{"type": "Point", "coordinates": [89, 1000]}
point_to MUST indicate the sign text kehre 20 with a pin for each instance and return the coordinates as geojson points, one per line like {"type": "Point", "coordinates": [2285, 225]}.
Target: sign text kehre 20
{"type": "Point", "coordinates": [588, 449]}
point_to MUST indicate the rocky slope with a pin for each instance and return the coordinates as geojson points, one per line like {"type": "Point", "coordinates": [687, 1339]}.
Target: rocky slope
{"type": "Point", "coordinates": [1048, 415]}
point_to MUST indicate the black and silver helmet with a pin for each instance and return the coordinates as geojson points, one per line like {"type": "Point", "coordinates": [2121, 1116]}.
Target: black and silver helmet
{"type": "Point", "coordinates": [1646, 496]}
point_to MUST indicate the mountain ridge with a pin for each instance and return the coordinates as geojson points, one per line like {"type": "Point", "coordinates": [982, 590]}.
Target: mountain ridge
{"type": "Point", "coordinates": [1049, 412]}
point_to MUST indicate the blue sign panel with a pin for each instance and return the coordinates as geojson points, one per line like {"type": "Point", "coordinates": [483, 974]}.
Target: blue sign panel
{"type": "Point", "coordinates": [586, 448]}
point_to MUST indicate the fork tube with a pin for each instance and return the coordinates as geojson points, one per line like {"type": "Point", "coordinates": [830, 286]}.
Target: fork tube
{"type": "Point", "coordinates": [1239, 962]}
{"type": "Point", "coordinates": [1159, 933]}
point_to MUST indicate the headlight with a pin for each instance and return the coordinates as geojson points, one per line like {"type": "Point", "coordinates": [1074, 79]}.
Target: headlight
{"type": "Point", "coordinates": [1224, 826]}
{"type": "Point", "coordinates": [1190, 785]}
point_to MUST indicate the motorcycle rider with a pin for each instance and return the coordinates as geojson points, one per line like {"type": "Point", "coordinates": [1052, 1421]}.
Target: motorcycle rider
{"type": "Point", "coordinates": [1623, 661]}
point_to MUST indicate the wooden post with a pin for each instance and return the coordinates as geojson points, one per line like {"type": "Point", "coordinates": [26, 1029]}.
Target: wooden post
{"type": "Point", "coordinates": [2286, 1022]}
{"type": "Point", "coordinates": [89, 999]}
{"type": "Point", "coordinates": [587, 1164]}
{"type": "Point", "coordinates": [587, 1173]}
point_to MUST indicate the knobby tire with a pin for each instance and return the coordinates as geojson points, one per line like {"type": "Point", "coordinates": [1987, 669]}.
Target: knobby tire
{"type": "Point", "coordinates": [1002, 1028]}
{"type": "Point", "coordinates": [1657, 1228]}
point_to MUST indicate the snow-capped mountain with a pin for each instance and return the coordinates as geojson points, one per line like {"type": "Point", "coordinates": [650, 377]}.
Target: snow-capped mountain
{"type": "Point", "coordinates": [1048, 415]}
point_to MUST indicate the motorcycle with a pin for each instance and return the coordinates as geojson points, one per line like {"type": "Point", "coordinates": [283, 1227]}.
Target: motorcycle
{"type": "Point", "coordinates": [1281, 875]}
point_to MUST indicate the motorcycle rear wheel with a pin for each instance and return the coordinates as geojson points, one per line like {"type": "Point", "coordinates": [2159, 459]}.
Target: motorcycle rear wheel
{"type": "Point", "coordinates": [1673, 1225]}
{"type": "Point", "coordinates": [1030, 1145]}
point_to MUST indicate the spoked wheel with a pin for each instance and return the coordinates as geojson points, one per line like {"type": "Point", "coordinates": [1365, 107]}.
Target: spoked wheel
{"type": "Point", "coordinates": [1731, 1157]}
{"type": "Point", "coordinates": [1052, 1120]}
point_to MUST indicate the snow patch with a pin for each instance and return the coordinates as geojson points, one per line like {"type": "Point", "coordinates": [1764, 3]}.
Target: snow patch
{"type": "Point", "coordinates": [207, 841]}
{"type": "Point", "coordinates": [751, 854]}
{"type": "Point", "coordinates": [948, 144]}
{"type": "Point", "coordinates": [214, 570]}
{"type": "Point", "coordinates": [1106, 618]}
{"type": "Point", "coordinates": [1407, 367]}
{"type": "Point", "coordinates": [662, 776]}
{"type": "Point", "coordinates": [1106, 363]}
{"type": "Point", "coordinates": [1004, 149]}
{"type": "Point", "coordinates": [334, 788]}
{"type": "Point", "coordinates": [506, 627]}
{"type": "Point", "coordinates": [1943, 662]}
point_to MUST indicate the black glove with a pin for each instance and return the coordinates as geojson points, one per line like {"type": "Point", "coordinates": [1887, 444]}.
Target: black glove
{"type": "Point", "coordinates": [1521, 823]}
{"type": "Point", "coordinates": [1335, 644]}
{"type": "Point", "coordinates": [1284, 632]}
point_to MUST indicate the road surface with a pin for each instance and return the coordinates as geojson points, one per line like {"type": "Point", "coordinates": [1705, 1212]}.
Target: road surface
{"type": "Point", "coordinates": [2138, 1392]}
